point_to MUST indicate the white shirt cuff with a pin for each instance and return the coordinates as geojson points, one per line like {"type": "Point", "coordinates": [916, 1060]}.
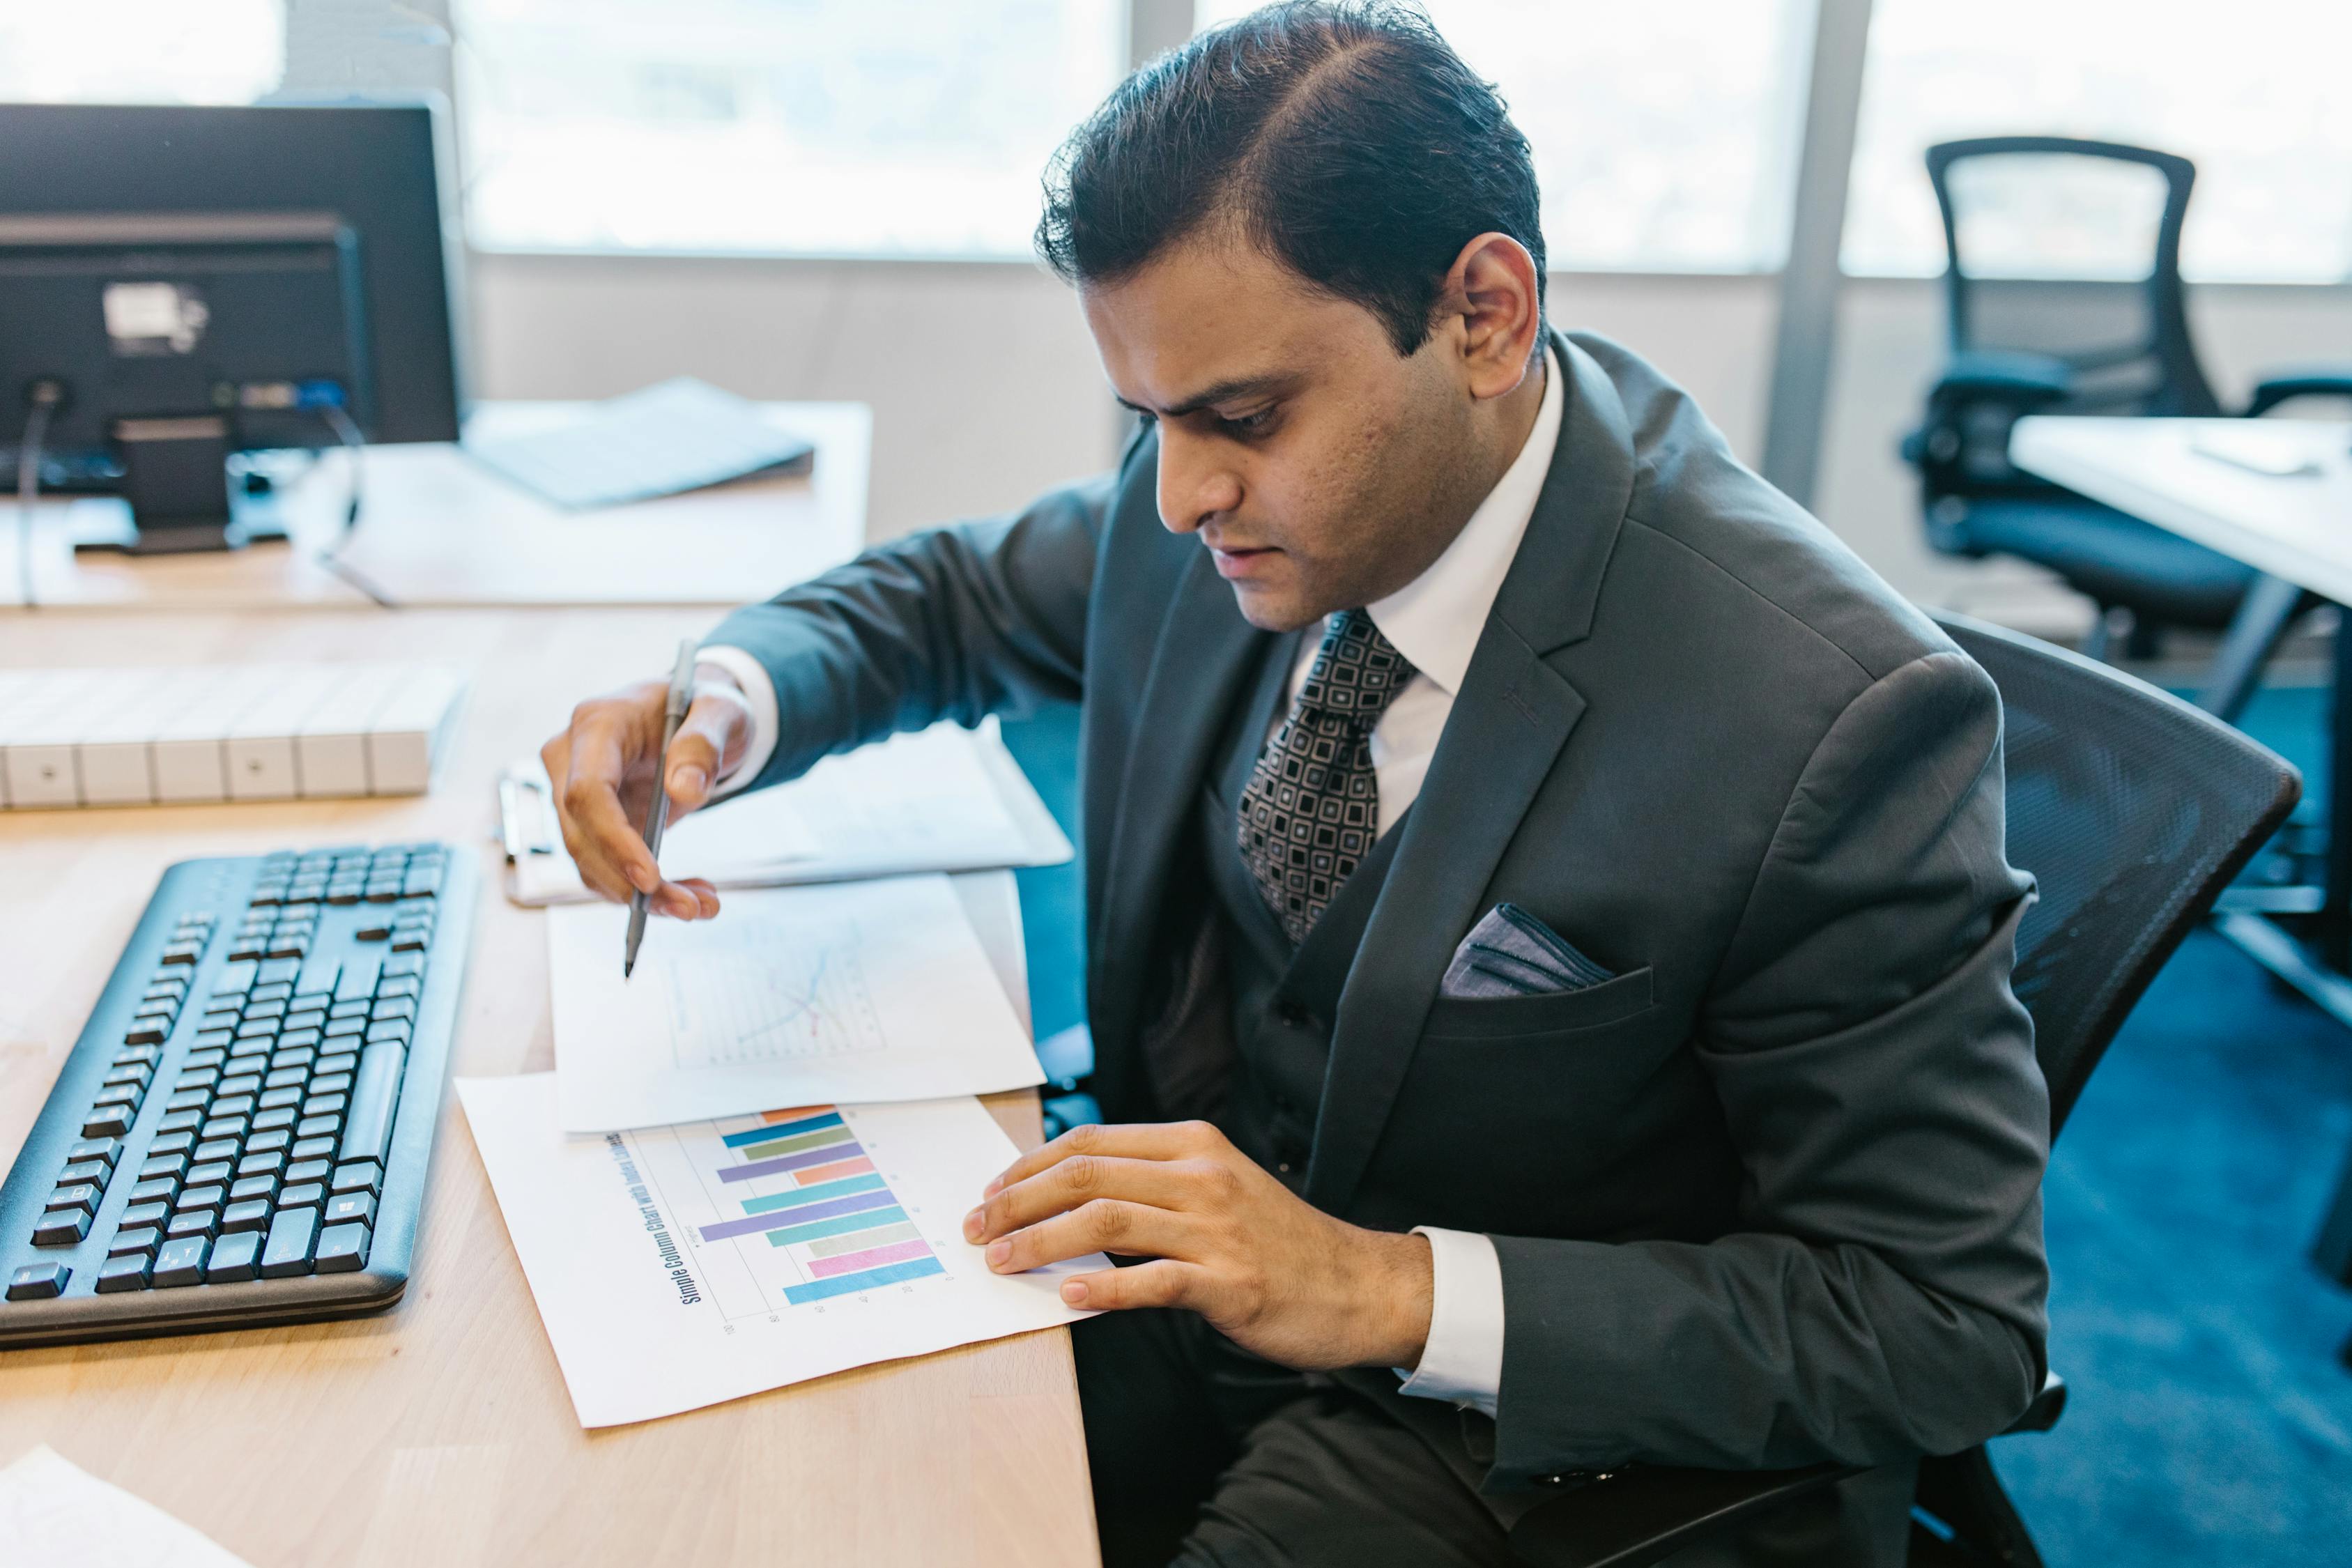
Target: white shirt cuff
{"type": "Point", "coordinates": [759, 696]}
{"type": "Point", "coordinates": [1462, 1361]}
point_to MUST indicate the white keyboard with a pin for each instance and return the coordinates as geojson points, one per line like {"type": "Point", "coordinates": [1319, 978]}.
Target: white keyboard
{"type": "Point", "coordinates": [173, 734]}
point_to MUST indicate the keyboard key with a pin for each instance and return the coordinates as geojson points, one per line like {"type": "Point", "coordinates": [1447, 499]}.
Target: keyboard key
{"type": "Point", "coordinates": [291, 1039]}
{"type": "Point", "coordinates": [243, 1083]}
{"type": "Point", "coordinates": [106, 1149]}
{"type": "Point", "coordinates": [348, 1207]}
{"type": "Point", "coordinates": [307, 1196]}
{"type": "Point", "coordinates": [180, 1262]}
{"type": "Point", "coordinates": [61, 1227]}
{"type": "Point", "coordinates": [359, 1176]}
{"type": "Point", "coordinates": [171, 1166]}
{"type": "Point", "coordinates": [231, 1105]}
{"type": "Point", "coordinates": [38, 1281]}
{"type": "Point", "coordinates": [373, 928]}
{"type": "Point", "coordinates": [154, 1189]}
{"type": "Point", "coordinates": [286, 1077]}
{"type": "Point", "coordinates": [282, 1115]}
{"type": "Point", "coordinates": [404, 963]}
{"type": "Point", "coordinates": [338, 1061]}
{"type": "Point", "coordinates": [235, 979]}
{"type": "Point", "coordinates": [107, 1122]}
{"type": "Point", "coordinates": [279, 971]}
{"type": "Point", "coordinates": [127, 1272]}
{"type": "Point", "coordinates": [269, 1163]}
{"type": "Point", "coordinates": [210, 1196]}
{"type": "Point", "coordinates": [394, 1008]}
{"type": "Point", "coordinates": [215, 1149]}
{"type": "Point", "coordinates": [125, 1095]}
{"type": "Point", "coordinates": [229, 1126]}
{"type": "Point", "coordinates": [318, 1126]}
{"type": "Point", "coordinates": [189, 1100]}
{"type": "Point", "coordinates": [330, 1083]}
{"type": "Point", "coordinates": [181, 1121]}
{"type": "Point", "coordinates": [147, 1211]}
{"type": "Point", "coordinates": [198, 1078]}
{"type": "Point", "coordinates": [293, 1056]}
{"type": "Point", "coordinates": [192, 1222]}
{"type": "Point", "coordinates": [234, 1257]}
{"type": "Point", "coordinates": [208, 1057]}
{"type": "Point", "coordinates": [307, 1149]}
{"type": "Point", "coordinates": [359, 977]}
{"type": "Point", "coordinates": [269, 991]}
{"type": "Point", "coordinates": [183, 952]}
{"type": "Point", "coordinates": [326, 1105]}
{"type": "Point", "coordinates": [246, 1187]}
{"type": "Point", "coordinates": [341, 1248]}
{"type": "Point", "coordinates": [215, 1039]}
{"type": "Point", "coordinates": [75, 1195]}
{"type": "Point", "coordinates": [253, 946]}
{"type": "Point", "coordinates": [351, 1025]}
{"type": "Point", "coordinates": [276, 1099]}
{"type": "Point", "coordinates": [263, 1142]}
{"type": "Point", "coordinates": [147, 1032]}
{"type": "Point", "coordinates": [135, 1238]}
{"type": "Point", "coordinates": [210, 1173]}
{"type": "Point", "coordinates": [401, 986]}
{"type": "Point", "coordinates": [317, 978]}
{"type": "Point", "coordinates": [302, 1023]}
{"type": "Point", "coordinates": [86, 1171]}
{"type": "Point", "coordinates": [311, 1170]}
{"type": "Point", "coordinates": [411, 941]}
{"type": "Point", "coordinates": [253, 1213]}
{"type": "Point", "coordinates": [288, 1250]}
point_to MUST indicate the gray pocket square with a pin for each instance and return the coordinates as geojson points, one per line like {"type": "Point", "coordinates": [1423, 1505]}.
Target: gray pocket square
{"type": "Point", "coordinates": [1512, 953]}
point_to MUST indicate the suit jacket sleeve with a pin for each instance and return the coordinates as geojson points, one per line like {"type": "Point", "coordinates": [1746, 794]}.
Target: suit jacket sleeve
{"type": "Point", "coordinates": [955, 623]}
{"type": "Point", "coordinates": [1883, 1296]}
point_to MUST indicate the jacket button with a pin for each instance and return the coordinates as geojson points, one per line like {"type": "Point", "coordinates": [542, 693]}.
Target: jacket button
{"type": "Point", "coordinates": [1295, 1016]}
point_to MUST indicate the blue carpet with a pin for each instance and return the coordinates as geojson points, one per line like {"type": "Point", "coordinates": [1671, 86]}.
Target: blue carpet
{"type": "Point", "coordinates": [2209, 1421]}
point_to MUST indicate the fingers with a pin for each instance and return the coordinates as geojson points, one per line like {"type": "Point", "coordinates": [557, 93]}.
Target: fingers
{"type": "Point", "coordinates": [1104, 1225]}
{"type": "Point", "coordinates": [713, 732]}
{"type": "Point", "coordinates": [605, 760]}
{"type": "Point", "coordinates": [1082, 1178]}
{"type": "Point", "coordinates": [1127, 1140]}
{"type": "Point", "coordinates": [1163, 1282]}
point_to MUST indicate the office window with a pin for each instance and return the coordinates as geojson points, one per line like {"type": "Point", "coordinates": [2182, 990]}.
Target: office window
{"type": "Point", "coordinates": [884, 127]}
{"type": "Point", "coordinates": [140, 51]}
{"type": "Point", "coordinates": [1666, 133]}
{"type": "Point", "coordinates": [2256, 92]}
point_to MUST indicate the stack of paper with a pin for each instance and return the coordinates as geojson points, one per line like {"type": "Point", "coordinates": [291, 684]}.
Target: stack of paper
{"type": "Point", "coordinates": [53, 1510]}
{"type": "Point", "coordinates": [942, 799]}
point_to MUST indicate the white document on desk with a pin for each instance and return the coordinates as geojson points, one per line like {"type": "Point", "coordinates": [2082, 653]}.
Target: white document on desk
{"type": "Point", "coordinates": [941, 799]}
{"type": "Point", "coordinates": [680, 1266]}
{"type": "Point", "coordinates": [859, 991]}
{"type": "Point", "coordinates": [53, 1510]}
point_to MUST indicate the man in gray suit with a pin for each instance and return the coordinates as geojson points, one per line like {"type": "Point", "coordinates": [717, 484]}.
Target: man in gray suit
{"type": "Point", "coordinates": [1547, 926]}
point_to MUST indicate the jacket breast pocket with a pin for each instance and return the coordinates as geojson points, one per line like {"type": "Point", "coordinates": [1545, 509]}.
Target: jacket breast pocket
{"type": "Point", "coordinates": [1553, 1013]}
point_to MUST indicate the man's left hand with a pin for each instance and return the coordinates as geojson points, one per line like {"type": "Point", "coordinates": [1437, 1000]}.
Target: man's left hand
{"type": "Point", "coordinates": [1268, 1270]}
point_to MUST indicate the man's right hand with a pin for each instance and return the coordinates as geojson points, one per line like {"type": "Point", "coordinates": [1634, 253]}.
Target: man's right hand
{"type": "Point", "coordinates": [602, 770]}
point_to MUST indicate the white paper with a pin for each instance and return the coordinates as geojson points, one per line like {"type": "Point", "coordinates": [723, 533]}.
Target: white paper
{"type": "Point", "coordinates": [857, 991]}
{"type": "Point", "coordinates": [659, 1297]}
{"type": "Point", "coordinates": [941, 799]}
{"type": "Point", "coordinates": [54, 1512]}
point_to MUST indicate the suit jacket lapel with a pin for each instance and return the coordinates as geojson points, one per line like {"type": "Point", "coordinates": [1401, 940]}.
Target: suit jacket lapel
{"type": "Point", "coordinates": [1513, 715]}
{"type": "Point", "coordinates": [1203, 655]}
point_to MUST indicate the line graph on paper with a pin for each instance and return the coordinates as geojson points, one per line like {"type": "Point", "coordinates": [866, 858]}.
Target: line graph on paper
{"type": "Point", "coordinates": [772, 991]}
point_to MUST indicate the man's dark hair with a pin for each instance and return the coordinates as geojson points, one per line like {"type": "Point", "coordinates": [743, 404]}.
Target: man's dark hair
{"type": "Point", "coordinates": [1347, 140]}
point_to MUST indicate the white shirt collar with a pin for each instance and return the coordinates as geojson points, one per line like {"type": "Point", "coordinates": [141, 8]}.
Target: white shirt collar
{"type": "Point", "coordinates": [1436, 619]}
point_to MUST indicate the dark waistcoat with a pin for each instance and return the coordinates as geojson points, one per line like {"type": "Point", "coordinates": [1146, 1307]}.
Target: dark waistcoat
{"type": "Point", "coordinates": [1253, 1059]}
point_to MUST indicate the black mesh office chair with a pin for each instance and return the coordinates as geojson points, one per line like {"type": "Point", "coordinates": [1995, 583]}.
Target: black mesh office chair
{"type": "Point", "coordinates": [2133, 811]}
{"type": "Point", "coordinates": [2021, 344]}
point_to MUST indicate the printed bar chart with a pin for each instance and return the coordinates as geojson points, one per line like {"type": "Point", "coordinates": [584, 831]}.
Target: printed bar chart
{"type": "Point", "coordinates": [833, 1216]}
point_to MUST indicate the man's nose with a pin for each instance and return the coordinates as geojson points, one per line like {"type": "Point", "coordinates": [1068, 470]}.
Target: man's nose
{"type": "Point", "coordinates": [1194, 484]}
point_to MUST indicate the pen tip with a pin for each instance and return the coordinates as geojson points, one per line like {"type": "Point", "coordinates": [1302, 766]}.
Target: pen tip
{"type": "Point", "coordinates": [627, 965]}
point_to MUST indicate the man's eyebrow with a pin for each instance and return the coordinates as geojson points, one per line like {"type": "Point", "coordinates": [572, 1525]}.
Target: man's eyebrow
{"type": "Point", "coordinates": [1239, 387]}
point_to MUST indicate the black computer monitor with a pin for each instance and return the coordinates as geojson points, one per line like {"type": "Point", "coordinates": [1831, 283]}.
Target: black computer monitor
{"type": "Point", "coordinates": [201, 281]}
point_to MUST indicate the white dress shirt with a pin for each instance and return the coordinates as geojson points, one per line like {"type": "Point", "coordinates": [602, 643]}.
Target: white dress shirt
{"type": "Point", "coordinates": [1435, 621]}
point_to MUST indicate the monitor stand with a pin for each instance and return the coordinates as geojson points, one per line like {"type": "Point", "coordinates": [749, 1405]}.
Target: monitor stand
{"type": "Point", "coordinates": [175, 478]}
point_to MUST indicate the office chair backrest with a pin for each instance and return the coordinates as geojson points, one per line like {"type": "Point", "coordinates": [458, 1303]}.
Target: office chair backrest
{"type": "Point", "coordinates": [2072, 249]}
{"type": "Point", "coordinates": [2132, 810]}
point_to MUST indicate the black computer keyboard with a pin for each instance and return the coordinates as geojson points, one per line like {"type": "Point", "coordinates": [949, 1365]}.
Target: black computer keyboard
{"type": "Point", "coordinates": [241, 1133]}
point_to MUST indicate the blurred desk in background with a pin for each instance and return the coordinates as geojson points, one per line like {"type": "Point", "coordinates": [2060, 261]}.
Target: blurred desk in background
{"type": "Point", "coordinates": [438, 529]}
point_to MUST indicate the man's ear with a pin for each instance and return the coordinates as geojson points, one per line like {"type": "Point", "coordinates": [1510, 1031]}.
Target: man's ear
{"type": "Point", "coordinates": [1491, 291]}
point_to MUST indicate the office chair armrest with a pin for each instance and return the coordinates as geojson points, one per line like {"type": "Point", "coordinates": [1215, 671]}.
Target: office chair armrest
{"type": "Point", "coordinates": [2299, 381]}
{"type": "Point", "coordinates": [1643, 1516]}
{"type": "Point", "coordinates": [2027, 379]}
{"type": "Point", "coordinates": [2044, 1412]}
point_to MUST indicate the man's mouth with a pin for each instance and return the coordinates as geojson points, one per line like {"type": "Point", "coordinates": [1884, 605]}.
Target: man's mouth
{"type": "Point", "coordinates": [1235, 560]}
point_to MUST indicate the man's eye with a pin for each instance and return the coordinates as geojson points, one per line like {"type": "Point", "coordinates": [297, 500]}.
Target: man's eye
{"type": "Point", "coordinates": [1249, 423]}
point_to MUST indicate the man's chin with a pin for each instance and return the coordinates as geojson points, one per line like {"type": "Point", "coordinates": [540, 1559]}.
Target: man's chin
{"type": "Point", "coordinates": [1272, 609]}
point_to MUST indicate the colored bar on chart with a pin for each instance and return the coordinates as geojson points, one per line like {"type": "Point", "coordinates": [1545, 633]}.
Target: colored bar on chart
{"type": "Point", "coordinates": [761, 1222]}
{"type": "Point", "coordinates": [835, 1171]}
{"type": "Point", "coordinates": [807, 1195]}
{"type": "Point", "coordinates": [782, 1163]}
{"type": "Point", "coordinates": [816, 1140]}
{"type": "Point", "coordinates": [849, 1284]}
{"type": "Point", "coordinates": [781, 1130]}
{"type": "Point", "coordinates": [852, 1226]}
{"type": "Point", "coordinates": [872, 1258]}
{"type": "Point", "coordinates": [859, 1240]}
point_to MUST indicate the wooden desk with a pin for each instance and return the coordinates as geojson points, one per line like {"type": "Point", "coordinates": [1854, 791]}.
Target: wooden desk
{"type": "Point", "coordinates": [440, 1433]}
{"type": "Point", "coordinates": [438, 529]}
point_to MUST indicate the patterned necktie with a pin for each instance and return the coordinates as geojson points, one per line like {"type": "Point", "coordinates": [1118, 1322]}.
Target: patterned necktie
{"type": "Point", "coordinates": [1312, 807]}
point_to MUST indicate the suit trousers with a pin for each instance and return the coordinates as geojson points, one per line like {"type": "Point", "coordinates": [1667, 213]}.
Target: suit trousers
{"type": "Point", "coordinates": [1204, 1456]}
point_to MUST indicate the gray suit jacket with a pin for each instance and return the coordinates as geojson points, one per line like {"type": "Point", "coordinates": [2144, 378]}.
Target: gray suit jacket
{"type": "Point", "coordinates": [1769, 1197]}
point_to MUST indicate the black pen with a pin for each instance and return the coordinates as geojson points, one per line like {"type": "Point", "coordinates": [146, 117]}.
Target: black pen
{"type": "Point", "coordinates": [681, 693]}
